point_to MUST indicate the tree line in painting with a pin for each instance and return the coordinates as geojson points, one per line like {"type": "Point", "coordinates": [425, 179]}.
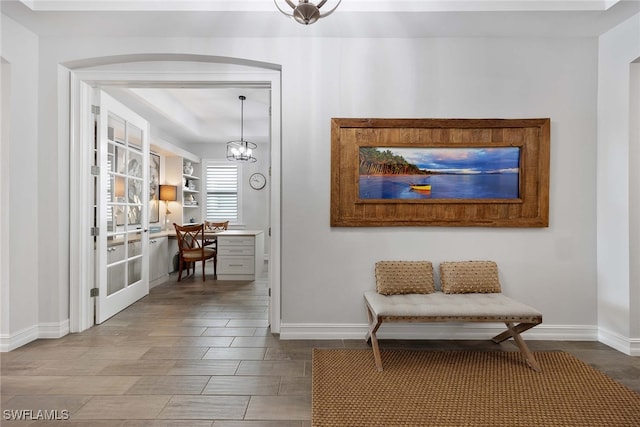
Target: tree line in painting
{"type": "Point", "coordinates": [375, 162]}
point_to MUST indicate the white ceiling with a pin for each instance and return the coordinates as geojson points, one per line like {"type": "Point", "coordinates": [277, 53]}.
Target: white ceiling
{"type": "Point", "coordinates": [201, 115]}
{"type": "Point", "coordinates": [213, 114]}
{"type": "Point", "coordinates": [353, 18]}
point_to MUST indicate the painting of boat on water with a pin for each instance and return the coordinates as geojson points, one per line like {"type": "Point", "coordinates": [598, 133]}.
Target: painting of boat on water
{"type": "Point", "coordinates": [439, 173]}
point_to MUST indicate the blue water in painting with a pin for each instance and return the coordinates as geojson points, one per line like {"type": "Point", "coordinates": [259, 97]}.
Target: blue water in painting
{"type": "Point", "coordinates": [475, 186]}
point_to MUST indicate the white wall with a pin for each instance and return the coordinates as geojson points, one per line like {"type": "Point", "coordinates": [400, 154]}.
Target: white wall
{"type": "Point", "coordinates": [618, 188]}
{"type": "Point", "coordinates": [552, 269]}
{"type": "Point", "coordinates": [5, 108]}
{"type": "Point", "coordinates": [20, 189]}
{"type": "Point", "coordinates": [324, 269]}
{"type": "Point", "coordinates": [634, 211]}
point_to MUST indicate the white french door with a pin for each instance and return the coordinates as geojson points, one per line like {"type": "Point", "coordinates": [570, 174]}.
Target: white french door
{"type": "Point", "coordinates": [122, 198]}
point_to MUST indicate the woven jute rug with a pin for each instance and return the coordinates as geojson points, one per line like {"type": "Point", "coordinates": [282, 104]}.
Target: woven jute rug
{"type": "Point", "coordinates": [461, 388]}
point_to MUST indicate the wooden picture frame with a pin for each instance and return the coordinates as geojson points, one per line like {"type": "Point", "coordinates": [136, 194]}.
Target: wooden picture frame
{"type": "Point", "coordinates": [526, 206]}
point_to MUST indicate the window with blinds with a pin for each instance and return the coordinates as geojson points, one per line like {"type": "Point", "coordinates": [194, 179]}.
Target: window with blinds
{"type": "Point", "coordinates": [222, 192]}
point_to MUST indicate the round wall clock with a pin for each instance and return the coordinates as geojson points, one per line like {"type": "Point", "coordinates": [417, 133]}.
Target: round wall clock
{"type": "Point", "coordinates": [257, 181]}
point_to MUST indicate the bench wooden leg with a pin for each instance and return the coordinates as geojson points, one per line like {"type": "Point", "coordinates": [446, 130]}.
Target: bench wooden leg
{"type": "Point", "coordinates": [374, 325]}
{"type": "Point", "coordinates": [514, 332]}
{"type": "Point", "coordinates": [520, 328]}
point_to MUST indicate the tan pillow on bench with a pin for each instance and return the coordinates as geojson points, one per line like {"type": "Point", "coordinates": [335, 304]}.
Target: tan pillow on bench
{"type": "Point", "coordinates": [464, 277]}
{"type": "Point", "coordinates": [404, 277]}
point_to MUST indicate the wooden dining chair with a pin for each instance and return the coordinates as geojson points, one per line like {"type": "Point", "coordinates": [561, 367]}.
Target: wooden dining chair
{"type": "Point", "coordinates": [216, 226]}
{"type": "Point", "coordinates": [192, 249]}
{"type": "Point", "coordinates": [213, 227]}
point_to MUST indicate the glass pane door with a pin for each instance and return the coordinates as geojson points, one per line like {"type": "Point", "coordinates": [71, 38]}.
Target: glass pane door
{"type": "Point", "coordinates": [123, 266]}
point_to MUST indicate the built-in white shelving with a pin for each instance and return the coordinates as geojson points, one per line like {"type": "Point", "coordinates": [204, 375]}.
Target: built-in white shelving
{"type": "Point", "coordinates": [185, 174]}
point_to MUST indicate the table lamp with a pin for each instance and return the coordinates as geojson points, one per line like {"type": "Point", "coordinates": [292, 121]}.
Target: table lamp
{"type": "Point", "coordinates": [168, 193]}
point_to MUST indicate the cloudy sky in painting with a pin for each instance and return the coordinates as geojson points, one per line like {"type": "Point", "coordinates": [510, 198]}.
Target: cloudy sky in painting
{"type": "Point", "coordinates": [461, 160]}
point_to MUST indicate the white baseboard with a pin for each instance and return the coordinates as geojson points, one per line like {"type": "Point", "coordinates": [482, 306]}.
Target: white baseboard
{"type": "Point", "coordinates": [53, 330]}
{"type": "Point", "coordinates": [449, 331]}
{"type": "Point", "coordinates": [25, 336]}
{"type": "Point", "coordinates": [324, 331]}
{"type": "Point", "coordinates": [630, 346]}
{"type": "Point", "coordinates": [321, 331]}
{"type": "Point", "coordinates": [20, 338]}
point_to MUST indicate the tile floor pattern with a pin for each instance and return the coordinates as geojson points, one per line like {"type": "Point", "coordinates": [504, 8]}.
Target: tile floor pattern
{"type": "Point", "coordinates": [200, 354]}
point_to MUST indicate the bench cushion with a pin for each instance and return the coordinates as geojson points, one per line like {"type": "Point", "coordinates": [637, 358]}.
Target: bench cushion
{"type": "Point", "coordinates": [459, 277]}
{"type": "Point", "coordinates": [404, 277]}
{"type": "Point", "coordinates": [450, 307]}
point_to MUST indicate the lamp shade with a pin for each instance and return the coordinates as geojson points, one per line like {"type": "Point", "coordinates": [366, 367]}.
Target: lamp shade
{"type": "Point", "coordinates": [168, 193]}
{"type": "Point", "coordinates": [119, 186]}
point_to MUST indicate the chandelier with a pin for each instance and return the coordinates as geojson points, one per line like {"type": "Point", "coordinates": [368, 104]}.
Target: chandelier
{"type": "Point", "coordinates": [241, 150]}
{"type": "Point", "coordinates": [306, 12]}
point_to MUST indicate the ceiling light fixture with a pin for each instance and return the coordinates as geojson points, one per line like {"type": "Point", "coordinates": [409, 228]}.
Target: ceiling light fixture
{"type": "Point", "coordinates": [241, 151]}
{"type": "Point", "coordinates": [306, 12]}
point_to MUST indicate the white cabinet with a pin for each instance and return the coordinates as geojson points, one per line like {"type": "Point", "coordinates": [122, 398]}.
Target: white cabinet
{"type": "Point", "coordinates": [240, 254]}
{"type": "Point", "coordinates": [158, 255]}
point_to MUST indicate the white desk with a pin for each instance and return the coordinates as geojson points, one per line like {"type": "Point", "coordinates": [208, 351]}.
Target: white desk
{"type": "Point", "coordinates": [240, 254]}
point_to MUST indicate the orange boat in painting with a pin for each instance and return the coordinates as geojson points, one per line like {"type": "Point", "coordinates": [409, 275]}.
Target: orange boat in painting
{"type": "Point", "coordinates": [420, 187]}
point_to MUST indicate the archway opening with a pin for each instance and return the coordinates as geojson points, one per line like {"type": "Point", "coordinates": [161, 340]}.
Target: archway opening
{"type": "Point", "coordinates": [157, 71]}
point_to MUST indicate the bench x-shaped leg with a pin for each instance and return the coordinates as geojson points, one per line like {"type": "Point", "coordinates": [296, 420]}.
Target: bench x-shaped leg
{"type": "Point", "coordinates": [374, 325]}
{"type": "Point", "coordinates": [514, 332]}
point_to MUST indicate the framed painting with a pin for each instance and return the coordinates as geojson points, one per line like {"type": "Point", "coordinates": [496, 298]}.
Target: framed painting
{"type": "Point", "coordinates": [154, 188]}
{"type": "Point", "coordinates": [440, 172]}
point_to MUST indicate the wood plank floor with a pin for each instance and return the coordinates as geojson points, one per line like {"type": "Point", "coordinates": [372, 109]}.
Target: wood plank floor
{"type": "Point", "coordinates": [197, 354]}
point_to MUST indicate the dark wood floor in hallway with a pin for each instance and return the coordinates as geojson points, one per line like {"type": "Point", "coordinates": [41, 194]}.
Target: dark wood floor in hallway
{"type": "Point", "coordinates": [197, 354]}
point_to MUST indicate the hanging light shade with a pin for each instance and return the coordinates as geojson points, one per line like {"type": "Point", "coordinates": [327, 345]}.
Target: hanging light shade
{"type": "Point", "coordinates": [241, 150]}
{"type": "Point", "coordinates": [306, 12]}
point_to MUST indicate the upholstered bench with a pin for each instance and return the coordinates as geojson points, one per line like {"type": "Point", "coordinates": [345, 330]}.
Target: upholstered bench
{"type": "Point", "coordinates": [471, 292]}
